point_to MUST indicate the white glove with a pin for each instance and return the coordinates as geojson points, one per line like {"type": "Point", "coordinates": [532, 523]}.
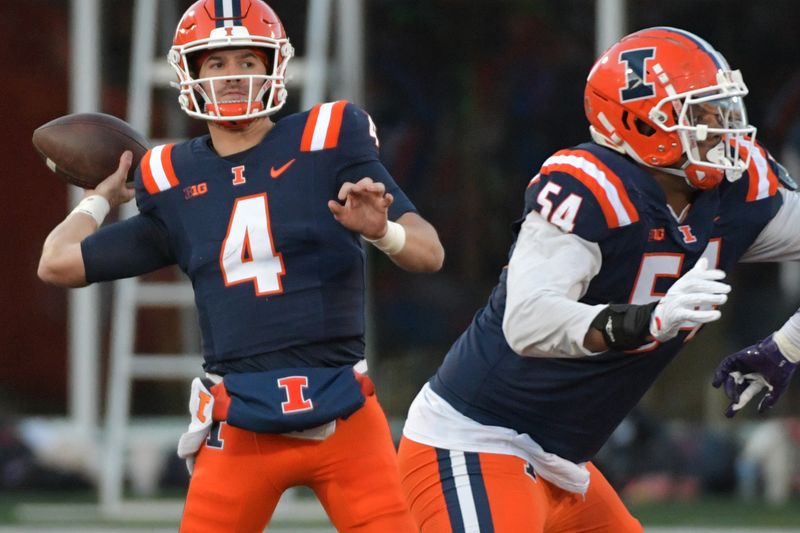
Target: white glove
{"type": "Point", "coordinates": [688, 301]}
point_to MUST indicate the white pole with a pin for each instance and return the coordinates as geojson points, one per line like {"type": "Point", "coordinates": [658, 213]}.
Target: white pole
{"type": "Point", "coordinates": [84, 317]}
{"type": "Point", "coordinates": [141, 71]}
{"type": "Point", "coordinates": [350, 49]}
{"type": "Point", "coordinates": [610, 23]}
{"type": "Point", "coordinates": [318, 31]}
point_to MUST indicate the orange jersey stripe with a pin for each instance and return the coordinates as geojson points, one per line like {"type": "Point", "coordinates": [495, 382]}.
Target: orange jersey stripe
{"type": "Point", "coordinates": [335, 124]}
{"type": "Point", "coordinates": [308, 132]}
{"type": "Point", "coordinates": [147, 174]}
{"type": "Point", "coordinates": [572, 161]}
{"type": "Point", "coordinates": [758, 171]}
{"type": "Point", "coordinates": [617, 183]}
{"type": "Point", "coordinates": [166, 163]}
{"type": "Point", "coordinates": [602, 198]}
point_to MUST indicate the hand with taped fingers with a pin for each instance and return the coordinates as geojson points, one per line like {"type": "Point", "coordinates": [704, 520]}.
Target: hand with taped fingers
{"type": "Point", "coordinates": [747, 372]}
{"type": "Point", "coordinates": [687, 302]}
{"type": "Point", "coordinates": [363, 207]}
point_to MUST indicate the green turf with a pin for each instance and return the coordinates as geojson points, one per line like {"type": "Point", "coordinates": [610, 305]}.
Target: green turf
{"type": "Point", "coordinates": [718, 512]}
{"type": "Point", "coordinates": [704, 512]}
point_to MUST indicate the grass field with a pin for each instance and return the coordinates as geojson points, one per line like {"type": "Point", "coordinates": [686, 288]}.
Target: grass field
{"type": "Point", "coordinates": [77, 513]}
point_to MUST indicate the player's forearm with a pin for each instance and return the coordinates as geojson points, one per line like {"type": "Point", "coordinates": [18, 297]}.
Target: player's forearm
{"type": "Point", "coordinates": [548, 273]}
{"type": "Point", "coordinates": [61, 262]}
{"type": "Point", "coordinates": [547, 324]}
{"type": "Point", "coordinates": [422, 251]}
{"type": "Point", "coordinates": [594, 341]}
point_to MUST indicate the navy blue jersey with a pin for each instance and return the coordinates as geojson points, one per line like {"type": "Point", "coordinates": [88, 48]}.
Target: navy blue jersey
{"type": "Point", "coordinates": [271, 269]}
{"type": "Point", "coordinates": [571, 406]}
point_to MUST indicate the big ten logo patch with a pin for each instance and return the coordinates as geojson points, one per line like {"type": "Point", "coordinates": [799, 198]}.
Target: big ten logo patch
{"type": "Point", "coordinates": [193, 191]}
{"type": "Point", "coordinates": [295, 387]}
{"type": "Point", "coordinates": [657, 234]}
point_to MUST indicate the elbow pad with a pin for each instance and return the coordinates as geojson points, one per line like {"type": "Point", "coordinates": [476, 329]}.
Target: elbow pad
{"type": "Point", "coordinates": [625, 326]}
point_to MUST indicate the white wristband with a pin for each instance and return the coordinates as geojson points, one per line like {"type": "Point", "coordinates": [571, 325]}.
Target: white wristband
{"type": "Point", "coordinates": [393, 241]}
{"type": "Point", "coordinates": [96, 206]}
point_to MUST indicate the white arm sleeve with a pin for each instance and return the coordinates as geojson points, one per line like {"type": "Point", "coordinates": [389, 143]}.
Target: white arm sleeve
{"type": "Point", "coordinates": [548, 272]}
{"type": "Point", "coordinates": [780, 241]}
{"type": "Point", "coordinates": [780, 238]}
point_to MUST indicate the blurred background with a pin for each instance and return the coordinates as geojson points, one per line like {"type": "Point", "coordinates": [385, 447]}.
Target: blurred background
{"type": "Point", "coordinates": [469, 98]}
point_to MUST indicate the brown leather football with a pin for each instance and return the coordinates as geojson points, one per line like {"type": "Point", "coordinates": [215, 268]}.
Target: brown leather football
{"type": "Point", "coordinates": [84, 148]}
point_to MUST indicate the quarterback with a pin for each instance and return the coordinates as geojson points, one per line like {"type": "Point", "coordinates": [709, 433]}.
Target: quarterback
{"type": "Point", "coordinates": [266, 219]}
{"type": "Point", "coordinates": [619, 259]}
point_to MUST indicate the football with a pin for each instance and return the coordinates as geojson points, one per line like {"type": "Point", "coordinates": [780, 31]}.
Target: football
{"type": "Point", "coordinates": [84, 148]}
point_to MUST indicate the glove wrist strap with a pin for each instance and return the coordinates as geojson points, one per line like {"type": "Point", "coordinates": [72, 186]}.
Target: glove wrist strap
{"type": "Point", "coordinates": [625, 326]}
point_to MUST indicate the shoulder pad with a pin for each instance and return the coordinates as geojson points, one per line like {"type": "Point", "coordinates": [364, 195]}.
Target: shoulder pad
{"type": "Point", "coordinates": [157, 172]}
{"type": "Point", "coordinates": [323, 125]}
{"type": "Point", "coordinates": [580, 172]}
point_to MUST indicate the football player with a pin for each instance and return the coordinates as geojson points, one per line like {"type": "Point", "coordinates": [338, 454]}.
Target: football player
{"type": "Point", "coordinates": [266, 219]}
{"type": "Point", "coordinates": [618, 260]}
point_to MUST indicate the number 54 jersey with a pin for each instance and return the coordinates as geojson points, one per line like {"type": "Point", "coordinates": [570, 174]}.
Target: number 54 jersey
{"type": "Point", "coordinates": [270, 266]}
{"type": "Point", "coordinates": [570, 405]}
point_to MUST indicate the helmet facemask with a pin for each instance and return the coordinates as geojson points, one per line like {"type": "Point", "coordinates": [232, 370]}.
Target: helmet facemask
{"type": "Point", "coordinates": [266, 93]}
{"type": "Point", "coordinates": [701, 115]}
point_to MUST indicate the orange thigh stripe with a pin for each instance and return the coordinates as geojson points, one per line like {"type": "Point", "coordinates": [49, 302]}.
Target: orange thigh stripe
{"type": "Point", "coordinates": [454, 492]}
{"type": "Point", "coordinates": [445, 488]}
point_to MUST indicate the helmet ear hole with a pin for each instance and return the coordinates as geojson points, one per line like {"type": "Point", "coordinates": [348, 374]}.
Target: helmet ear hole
{"type": "Point", "coordinates": [644, 128]}
{"type": "Point", "coordinates": [625, 117]}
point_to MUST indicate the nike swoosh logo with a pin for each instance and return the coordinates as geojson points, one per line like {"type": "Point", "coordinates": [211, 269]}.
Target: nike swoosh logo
{"type": "Point", "coordinates": [276, 173]}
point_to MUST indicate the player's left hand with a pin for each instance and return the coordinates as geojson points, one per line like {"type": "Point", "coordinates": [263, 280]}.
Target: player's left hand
{"type": "Point", "coordinates": [365, 209]}
{"type": "Point", "coordinates": [752, 369]}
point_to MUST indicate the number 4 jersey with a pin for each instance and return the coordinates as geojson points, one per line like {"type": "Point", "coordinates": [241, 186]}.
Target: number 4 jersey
{"type": "Point", "coordinates": [634, 247]}
{"type": "Point", "coordinates": [270, 267]}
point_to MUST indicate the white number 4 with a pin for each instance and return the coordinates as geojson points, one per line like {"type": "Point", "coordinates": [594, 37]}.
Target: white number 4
{"type": "Point", "coordinates": [564, 215]}
{"type": "Point", "coordinates": [373, 132]}
{"type": "Point", "coordinates": [248, 253]}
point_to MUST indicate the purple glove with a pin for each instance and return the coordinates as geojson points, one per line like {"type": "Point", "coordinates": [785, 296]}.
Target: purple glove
{"type": "Point", "coordinates": [748, 371]}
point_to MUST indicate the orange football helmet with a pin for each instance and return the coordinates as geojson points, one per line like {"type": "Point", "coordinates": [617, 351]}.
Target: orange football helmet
{"type": "Point", "coordinates": [214, 24]}
{"type": "Point", "coordinates": [661, 96]}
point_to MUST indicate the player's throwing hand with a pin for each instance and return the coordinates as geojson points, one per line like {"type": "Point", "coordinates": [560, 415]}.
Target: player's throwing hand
{"type": "Point", "coordinates": [113, 188]}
